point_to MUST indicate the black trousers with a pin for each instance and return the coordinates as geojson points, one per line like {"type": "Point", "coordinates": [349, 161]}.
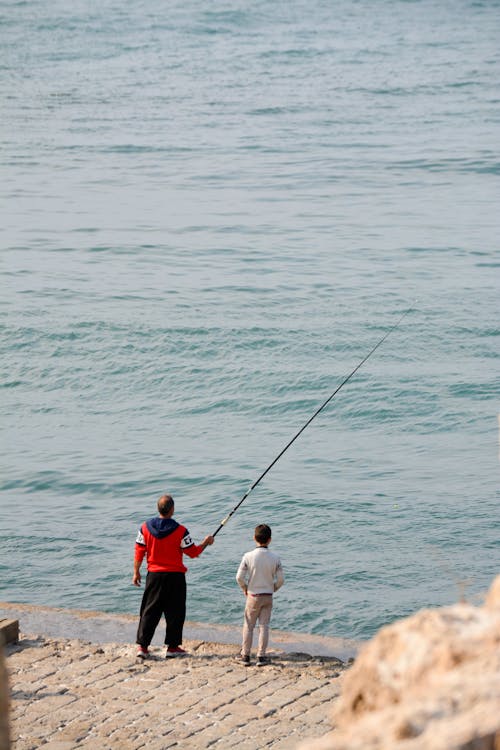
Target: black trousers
{"type": "Point", "coordinates": [164, 593]}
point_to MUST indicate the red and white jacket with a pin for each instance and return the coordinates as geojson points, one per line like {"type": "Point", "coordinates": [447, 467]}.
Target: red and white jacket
{"type": "Point", "coordinates": [164, 541]}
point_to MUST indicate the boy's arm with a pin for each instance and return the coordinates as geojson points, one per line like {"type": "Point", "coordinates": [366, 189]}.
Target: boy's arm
{"type": "Point", "coordinates": [242, 575]}
{"type": "Point", "coordinates": [280, 578]}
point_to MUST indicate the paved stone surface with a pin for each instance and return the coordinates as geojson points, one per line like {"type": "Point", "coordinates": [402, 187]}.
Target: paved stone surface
{"type": "Point", "coordinates": [68, 694]}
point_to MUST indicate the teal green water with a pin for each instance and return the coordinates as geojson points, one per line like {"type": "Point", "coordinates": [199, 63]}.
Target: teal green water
{"type": "Point", "coordinates": [210, 214]}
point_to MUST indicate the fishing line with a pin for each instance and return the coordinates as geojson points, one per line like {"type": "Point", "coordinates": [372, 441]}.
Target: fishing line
{"type": "Point", "coordinates": [325, 403]}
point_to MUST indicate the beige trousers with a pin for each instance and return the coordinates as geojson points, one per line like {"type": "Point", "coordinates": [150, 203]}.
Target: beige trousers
{"type": "Point", "coordinates": [257, 608]}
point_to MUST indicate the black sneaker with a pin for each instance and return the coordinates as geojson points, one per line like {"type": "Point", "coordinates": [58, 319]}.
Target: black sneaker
{"type": "Point", "coordinates": [262, 661]}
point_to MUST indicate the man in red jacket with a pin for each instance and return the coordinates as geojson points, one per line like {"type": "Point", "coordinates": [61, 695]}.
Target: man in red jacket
{"type": "Point", "coordinates": [163, 541]}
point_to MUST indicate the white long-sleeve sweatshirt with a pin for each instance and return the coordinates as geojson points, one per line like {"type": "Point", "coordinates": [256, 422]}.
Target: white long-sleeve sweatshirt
{"type": "Point", "coordinates": [260, 572]}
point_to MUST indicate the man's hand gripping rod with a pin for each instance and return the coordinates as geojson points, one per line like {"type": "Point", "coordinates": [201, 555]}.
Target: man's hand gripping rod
{"type": "Point", "coordinates": [379, 343]}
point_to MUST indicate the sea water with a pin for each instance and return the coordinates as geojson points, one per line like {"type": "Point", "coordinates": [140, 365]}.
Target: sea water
{"type": "Point", "coordinates": [210, 213]}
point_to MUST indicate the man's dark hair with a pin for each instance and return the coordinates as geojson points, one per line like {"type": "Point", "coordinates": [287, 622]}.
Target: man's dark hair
{"type": "Point", "coordinates": [165, 505]}
{"type": "Point", "coordinates": [262, 533]}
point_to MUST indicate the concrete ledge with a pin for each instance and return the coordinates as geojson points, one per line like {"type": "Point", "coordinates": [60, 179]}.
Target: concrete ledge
{"type": "Point", "coordinates": [9, 631]}
{"type": "Point", "coordinates": [101, 627]}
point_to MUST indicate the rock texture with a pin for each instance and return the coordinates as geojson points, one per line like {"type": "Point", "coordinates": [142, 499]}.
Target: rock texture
{"type": "Point", "coordinates": [429, 682]}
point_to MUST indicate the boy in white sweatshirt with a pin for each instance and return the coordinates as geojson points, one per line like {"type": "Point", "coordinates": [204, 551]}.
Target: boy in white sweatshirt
{"type": "Point", "coordinates": [260, 574]}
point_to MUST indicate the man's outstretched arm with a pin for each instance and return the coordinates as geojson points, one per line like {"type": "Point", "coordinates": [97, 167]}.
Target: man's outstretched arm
{"type": "Point", "coordinates": [193, 550]}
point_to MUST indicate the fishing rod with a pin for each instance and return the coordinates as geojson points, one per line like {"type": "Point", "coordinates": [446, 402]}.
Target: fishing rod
{"type": "Point", "coordinates": [325, 403]}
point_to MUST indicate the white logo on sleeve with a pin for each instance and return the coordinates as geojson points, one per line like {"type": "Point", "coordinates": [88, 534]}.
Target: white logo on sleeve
{"type": "Point", "coordinates": [140, 538]}
{"type": "Point", "coordinates": [186, 541]}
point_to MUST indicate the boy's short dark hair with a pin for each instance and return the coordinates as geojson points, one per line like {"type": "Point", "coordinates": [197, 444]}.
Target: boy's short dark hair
{"type": "Point", "coordinates": [262, 533]}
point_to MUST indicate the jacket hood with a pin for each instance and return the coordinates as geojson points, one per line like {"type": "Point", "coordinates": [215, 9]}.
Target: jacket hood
{"type": "Point", "coordinates": [161, 527]}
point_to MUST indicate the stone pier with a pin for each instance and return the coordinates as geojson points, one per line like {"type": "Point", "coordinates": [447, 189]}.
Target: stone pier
{"type": "Point", "coordinates": [67, 693]}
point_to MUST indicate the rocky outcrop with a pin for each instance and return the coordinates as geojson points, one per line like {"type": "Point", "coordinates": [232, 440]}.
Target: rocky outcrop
{"type": "Point", "coordinates": [429, 682]}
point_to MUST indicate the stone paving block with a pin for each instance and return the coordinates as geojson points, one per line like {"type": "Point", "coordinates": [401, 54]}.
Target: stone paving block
{"type": "Point", "coordinates": [124, 735]}
{"type": "Point", "coordinates": [186, 730]}
{"type": "Point", "coordinates": [227, 743]}
{"type": "Point", "coordinates": [147, 743]}
{"type": "Point", "coordinates": [196, 744]}
{"type": "Point", "coordinates": [41, 707]}
{"type": "Point", "coordinates": [30, 652]}
{"type": "Point", "coordinates": [234, 722]}
{"type": "Point", "coordinates": [239, 742]}
{"type": "Point", "coordinates": [265, 686]}
{"type": "Point", "coordinates": [66, 714]}
{"type": "Point", "coordinates": [25, 744]}
{"type": "Point", "coordinates": [142, 714]}
{"type": "Point", "coordinates": [99, 673]}
{"type": "Point", "coordinates": [41, 671]}
{"type": "Point", "coordinates": [223, 698]}
{"type": "Point", "coordinates": [76, 730]}
{"type": "Point", "coordinates": [209, 697]}
{"type": "Point", "coordinates": [286, 696]}
{"type": "Point", "coordinates": [76, 671]}
{"type": "Point", "coordinates": [85, 705]}
{"type": "Point", "coordinates": [232, 731]}
{"type": "Point", "coordinates": [115, 694]}
{"type": "Point", "coordinates": [112, 680]}
{"type": "Point", "coordinates": [37, 732]}
{"type": "Point", "coordinates": [295, 711]}
{"type": "Point", "coordinates": [133, 682]}
{"type": "Point", "coordinates": [155, 744]}
{"type": "Point", "coordinates": [27, 690]}
{"type": "Point", "coordinates": [246, 711]}
{"type": "Point", "coordinates": [244, 741]}
{"type": "Point", "coordinates": [184, 701]}
{"type": "Point", "coordinates": [317, 715]}
{"type": "Point", "coordinates": [94, 743]}
{"type": "Point", "coordinates": [226, 699]}
{"type": "Point", "coordinates": [328, 690]}
{"type": "Point", "coordinates": [291, 742]}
